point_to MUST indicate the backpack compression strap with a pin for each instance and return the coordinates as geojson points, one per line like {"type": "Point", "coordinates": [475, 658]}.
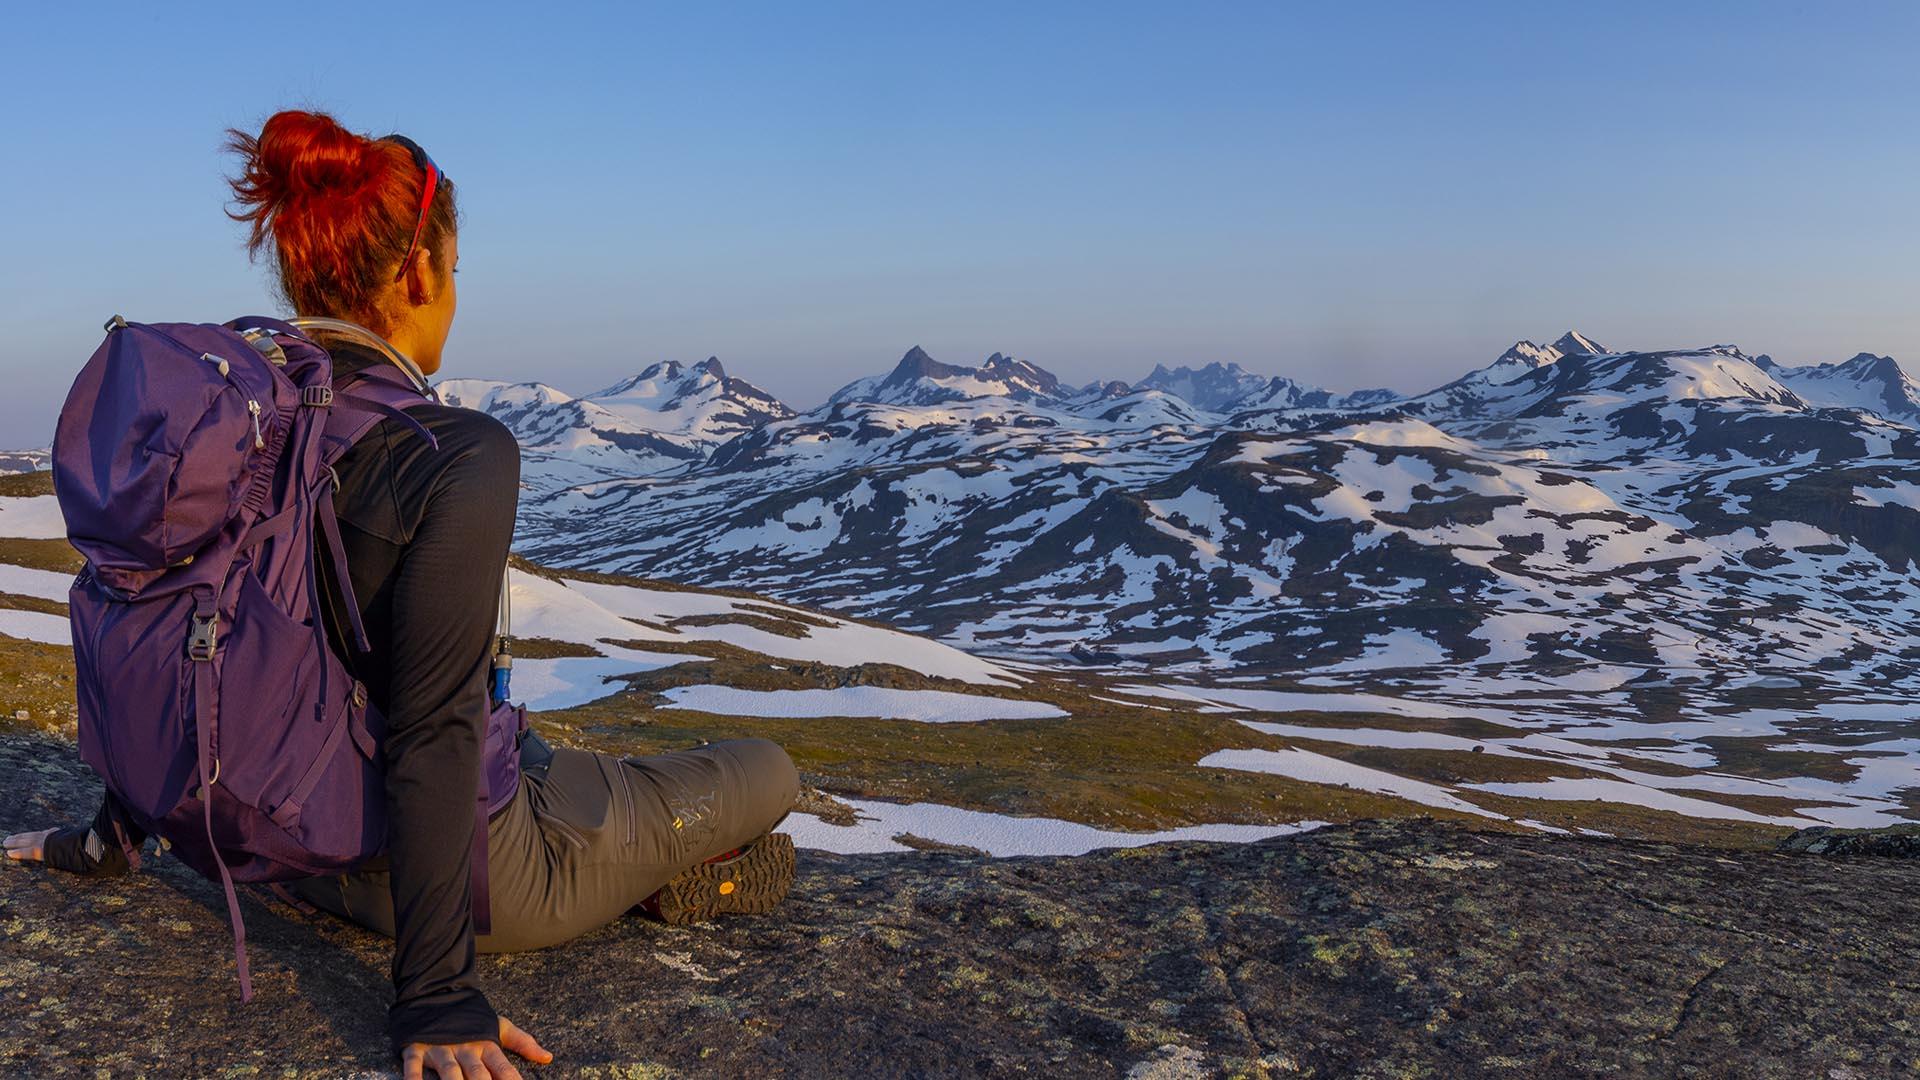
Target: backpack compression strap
{"type": "Point", "coordinates": [200, 647]}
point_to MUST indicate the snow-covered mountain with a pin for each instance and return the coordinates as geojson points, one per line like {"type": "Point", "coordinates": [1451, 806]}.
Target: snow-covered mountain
{"type": "Point", "coordinates": [1867, 382]}
{"type": "Point", "coordinates": [1227, 388]}
{"type": "Point", "coordinates": [1681, 509]}
{"type": "Point", "coordinates": [1464, 395]}
{"type": "Point", "coordinates": [664, 418]}
{"type": "Point", "coordinates": [1215, 387]}
{"type": "Point", "coordinates": [919, 379]}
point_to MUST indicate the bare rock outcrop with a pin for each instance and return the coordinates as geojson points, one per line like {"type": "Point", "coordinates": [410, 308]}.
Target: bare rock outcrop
{"type": "Point", "coordinates": [1373, 950]}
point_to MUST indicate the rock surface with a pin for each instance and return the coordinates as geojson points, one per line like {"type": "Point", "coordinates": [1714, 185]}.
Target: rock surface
{"type": "Point", "coordinates": [1374, 950]}
{"type": "Point", "coordinates": [1896, 842]}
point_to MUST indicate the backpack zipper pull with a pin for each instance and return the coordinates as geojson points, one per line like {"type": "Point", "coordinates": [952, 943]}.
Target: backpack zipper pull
{"type": "Point", "coordinates": [259, 441]}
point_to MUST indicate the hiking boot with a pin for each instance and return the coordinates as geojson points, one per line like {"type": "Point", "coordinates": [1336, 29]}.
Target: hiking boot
{"type": "Point", "coordinates": [744, 881]}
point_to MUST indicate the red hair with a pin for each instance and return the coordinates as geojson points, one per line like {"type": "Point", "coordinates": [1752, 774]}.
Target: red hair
{"type": "Point", "coordinates": [340, 209]}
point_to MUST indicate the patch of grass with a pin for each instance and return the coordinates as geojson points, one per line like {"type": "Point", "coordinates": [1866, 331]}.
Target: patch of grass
{"type": "Point", "coordinates": [27, 484]}
{"type": "Point", "coordinates": [1760, 759]}
{"type": "Point", "coordinates": [789, 615]}
{"type": "Point", "coordinates": [38, 678]}
{"type": "Point", "coordinates": [824, 806]}
{"type": "Point", "coordinates": [1769, 805]}
{"type": "Point", "coordinates": [921, 843]}
{"type": "Point", "coordinates": [1627, 820]}
{"type": "Point", "coordinates": [55, 555]}
{"type": "Point", "coordinates": [32, 603]}
{"type": "Point", "coordinates": [1447, 767]}
{"type": "Point", "coordinates": [730, 665]}
{"type": "Point", "coordinates": [538, 648]}
{"type": "Point", "coordinates": [783, 627]}
{"type": "Point", "coordinates": [1465, 727]}
{"type": "Point", "coordinates": [1651, 766]}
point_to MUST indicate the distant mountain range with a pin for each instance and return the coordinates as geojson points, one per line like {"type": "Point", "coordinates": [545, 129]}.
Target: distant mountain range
{"type": "Point", "coordinates": [24, 461]}
{"type": "Point", "coordinates": [1695, 510]}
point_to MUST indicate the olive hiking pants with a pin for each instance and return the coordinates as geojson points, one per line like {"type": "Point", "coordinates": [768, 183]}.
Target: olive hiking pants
{"type": "Point", "coordinates": [588, 835]}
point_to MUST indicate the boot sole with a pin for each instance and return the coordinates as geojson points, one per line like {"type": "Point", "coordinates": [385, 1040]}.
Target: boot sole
{"type": "Point", "coordinates": [752, 884]}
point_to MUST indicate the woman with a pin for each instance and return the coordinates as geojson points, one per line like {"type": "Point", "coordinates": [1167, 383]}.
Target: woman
{"type": "Point", "coordinates": [364, 230]}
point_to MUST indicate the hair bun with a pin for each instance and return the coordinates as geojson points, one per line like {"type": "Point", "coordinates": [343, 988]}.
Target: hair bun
{"type": "Point", "coordinates": [339, 208]}
{"type": "Point", "coordinates": [307, 154]}
{"type": "Point", "coordinates": [301, 155]}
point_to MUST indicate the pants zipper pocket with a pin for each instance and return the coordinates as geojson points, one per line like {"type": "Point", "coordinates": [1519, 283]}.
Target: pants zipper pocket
{"type": "Point", "coordinates": [618, 783]}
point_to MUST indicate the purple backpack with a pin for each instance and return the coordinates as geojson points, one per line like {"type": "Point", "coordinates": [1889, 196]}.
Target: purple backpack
{"type": "Point", "coordinates": [194, 467]}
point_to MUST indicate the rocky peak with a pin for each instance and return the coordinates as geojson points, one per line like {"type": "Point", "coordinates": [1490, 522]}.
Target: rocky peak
{"type": "Point", "coordinates": [1868, 366]}
{"type": "Point", "coordinates": [1216, 386]}
{"type": "Point", "coordinates": [1525, 354]}
{"type": "Point", "coordinates": [919, 379]}
{"type": "Point", "coordinates": [916, 364]}
{"type": "Point", "coordinates": [1362, 399]}
{"type": "Point", "coordinates": [1574, 343]}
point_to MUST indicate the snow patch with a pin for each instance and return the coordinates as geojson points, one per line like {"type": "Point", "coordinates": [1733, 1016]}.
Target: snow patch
{"type": "Point", "coordinates": [884, 703]}
{"type": "Point", "coordinates": [996, 834]}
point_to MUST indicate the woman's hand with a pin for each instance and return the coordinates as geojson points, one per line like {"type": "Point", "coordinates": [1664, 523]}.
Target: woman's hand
{"type": "Point", "coordinates": [472, 1060]}
{"type": "Point", "coordinates": [29, 846]}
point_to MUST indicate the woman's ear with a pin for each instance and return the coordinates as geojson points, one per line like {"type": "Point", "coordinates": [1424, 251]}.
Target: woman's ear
{"type": "Point", "coordinates": [419, 281]}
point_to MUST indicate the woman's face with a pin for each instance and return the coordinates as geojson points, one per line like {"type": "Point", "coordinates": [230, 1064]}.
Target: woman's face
{"type": "Point", "coordinates": [434, 318]}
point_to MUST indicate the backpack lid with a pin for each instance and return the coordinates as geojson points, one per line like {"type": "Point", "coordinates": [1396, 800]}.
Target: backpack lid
{"type": "Point", "coordinates": [158, 443]}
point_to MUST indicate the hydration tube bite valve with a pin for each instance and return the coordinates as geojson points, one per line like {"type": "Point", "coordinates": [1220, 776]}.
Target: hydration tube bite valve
{"type": "Point", "coordinates": [502, 671]}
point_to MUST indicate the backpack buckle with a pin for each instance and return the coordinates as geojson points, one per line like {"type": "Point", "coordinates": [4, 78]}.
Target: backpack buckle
{"type": "Point", "coordinates": [201, 639]}
{"type": "Point", "coordinates": [263, 343]}
{"type": "Point", "coordinates": [318, 397]}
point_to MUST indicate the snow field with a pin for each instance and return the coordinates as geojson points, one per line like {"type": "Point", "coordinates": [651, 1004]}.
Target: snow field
{"type": "Point", "coordinates": [32, 517]}
{"type": "Point", "coordinates": [883, 703]}
{"type": "Point", "coordinates": [996, 834]}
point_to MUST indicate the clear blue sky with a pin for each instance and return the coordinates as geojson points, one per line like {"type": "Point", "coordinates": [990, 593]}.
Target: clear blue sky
{"type": "Point", "coordinates": [1368, 194]}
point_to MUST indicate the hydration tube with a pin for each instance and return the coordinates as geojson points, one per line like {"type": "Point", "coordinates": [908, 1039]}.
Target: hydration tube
{"type": "Point", "coordinates": [503, 641]}
{"type": "Point", "coordinates": [354, 330]}
{"type": "Point", "coordinates": [502, 674]}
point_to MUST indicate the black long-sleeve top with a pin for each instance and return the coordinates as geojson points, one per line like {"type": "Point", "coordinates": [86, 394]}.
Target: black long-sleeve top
{"type": "Point", "coordinates": [426, 533]}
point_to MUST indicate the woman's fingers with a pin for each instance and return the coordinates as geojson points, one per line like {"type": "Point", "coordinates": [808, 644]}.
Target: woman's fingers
{"type": "Point", "coordinates": [474, 1060]}
{"type": "Point", "coordinates": [28, 845]}
{"type": "Point", "coordinates": [444, 1065]}
{"type": "Point", "coordinates": [497, 1064]}
{"type": "Point", "coordinates": [518, 1041]}
{"type": "Point", "coordinates": [471, 1067]}
{"type": "Point", "coordinates": [422, 1062]}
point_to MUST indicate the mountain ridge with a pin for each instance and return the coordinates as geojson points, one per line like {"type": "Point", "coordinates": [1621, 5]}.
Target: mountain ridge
{"type": "Point", "coordinates": [1400, 533]}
